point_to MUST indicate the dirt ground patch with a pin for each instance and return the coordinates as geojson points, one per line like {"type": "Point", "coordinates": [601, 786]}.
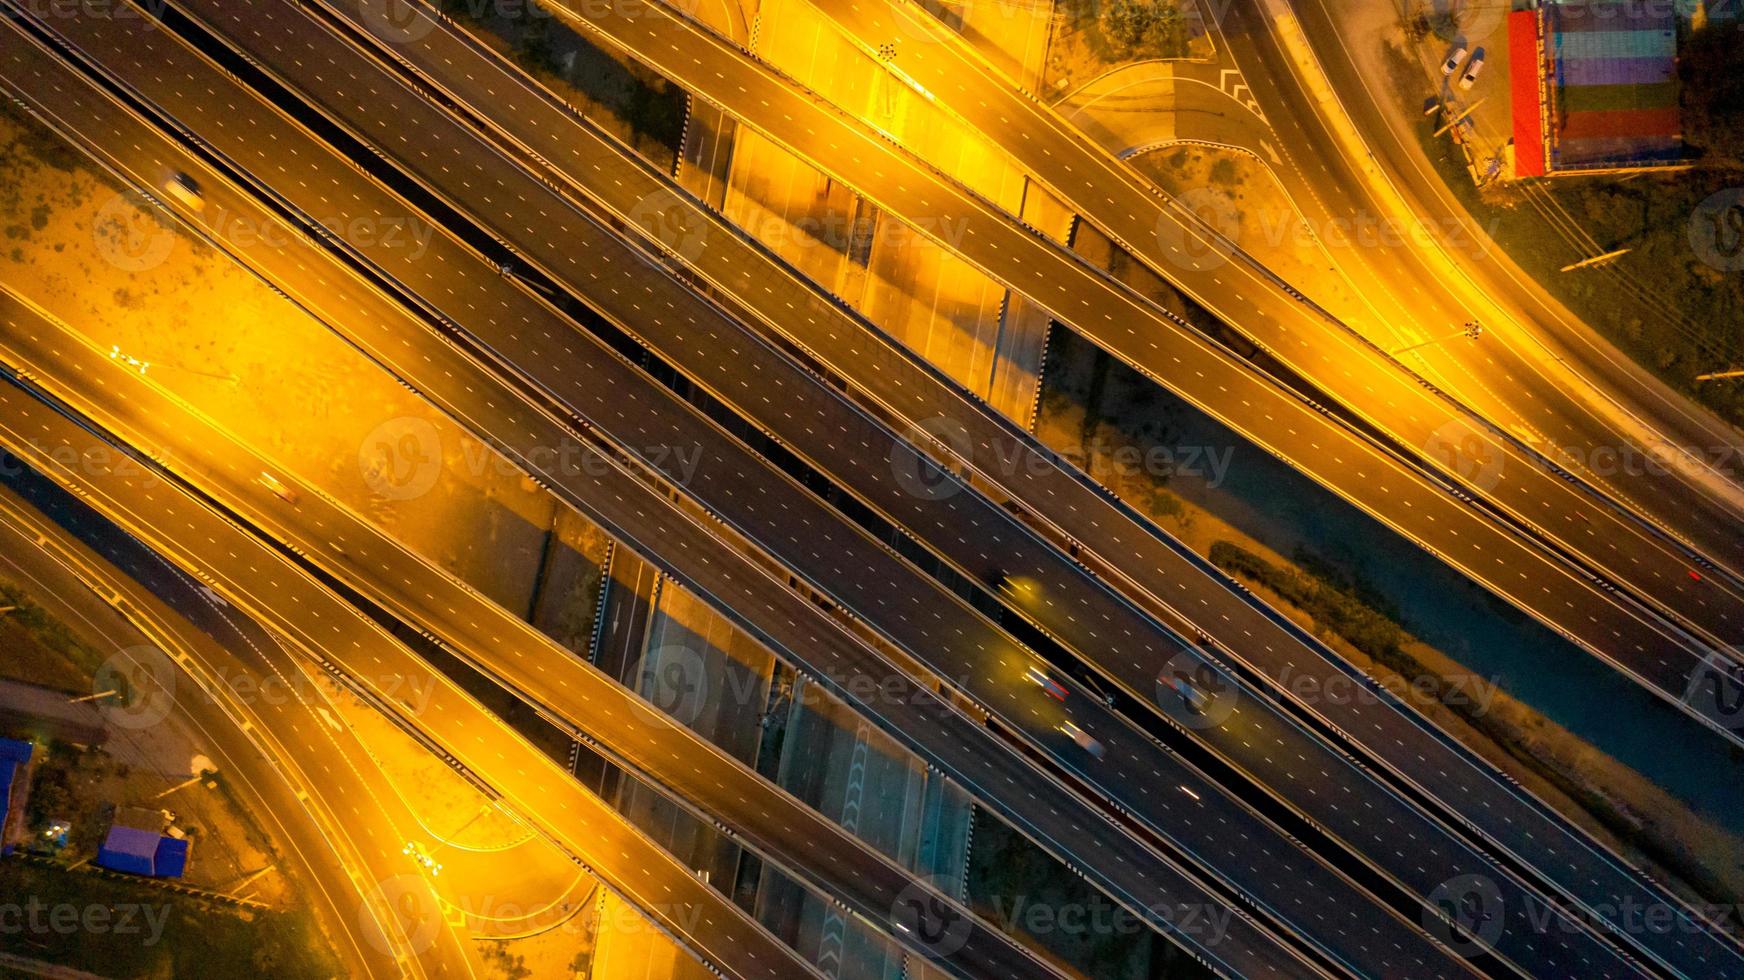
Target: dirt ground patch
{"type": "Point", "coordinates": [1092, 37]}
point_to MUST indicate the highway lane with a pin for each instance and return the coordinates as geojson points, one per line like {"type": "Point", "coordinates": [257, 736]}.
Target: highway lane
{"type": "Point", "coordinates": [588, 262]}
{"type": "Point", "coordinates": [1058, 499]}
{"type": "Point", "coordinates": [275, 592]}
{"type": "Point", "coordinates": [1269, 746]}
{"type": "Point", "coordinates": [573, 693]}
{"type": "Point", "coordinates": [971, 529]}
{"type": "Point", "coordinates": [1538, 372]}
{"type": "Point", "coordinates": [1358, 374]}
{"type": "Point", "coordinates": [1564, 382]}
{"type": "Point", "coordinates": [1324, 173]}
{"type": "Point", "coordinates": [1150, 883]}
{"type": "Point", "coordinates": [1447, 523]}
{"type": "Point", "coordinates": [427, 924]}
{"type": "Point", "coordinates": [341, 828]}
{"type": "Point", "coordinates": [499, 346]}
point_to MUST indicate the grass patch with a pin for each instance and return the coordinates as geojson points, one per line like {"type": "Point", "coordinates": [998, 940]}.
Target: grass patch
{"type": "Point", "coordinates": [119, 927]}
{"type": "Point", "coordinates": [1349, 609]}
{"type": "Point", "coordinates": [40, 649]}
{"type": "Point", "coordinates": [1093, 36]}
{"type": "Point", "coordinates": [1022, 890]}
{"type": "Point", "coordinates": [1710, 65]}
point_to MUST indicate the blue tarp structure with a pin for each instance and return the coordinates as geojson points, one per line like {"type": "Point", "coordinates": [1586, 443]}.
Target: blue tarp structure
{"type": "Point", "coordinates": [14, 751]}
{"type": "Point", "coordinates": [142, 852]}
{"type": "Point", "coordinates": [128, 849]}
{"type": "Point", "coordinates": [14, 755]}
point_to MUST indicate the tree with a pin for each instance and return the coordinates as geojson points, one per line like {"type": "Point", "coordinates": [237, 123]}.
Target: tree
{"type": "Point", "coordinates": [1167, 34]}
{"type": "Point", "coordinates": [1152, 28]}
{"type": "Point", "coordinates": [1124, 22]}
{"type": "Point", "coordinates": [1712, 70]}
{"type": "Point", "coordinates": [508, 965]}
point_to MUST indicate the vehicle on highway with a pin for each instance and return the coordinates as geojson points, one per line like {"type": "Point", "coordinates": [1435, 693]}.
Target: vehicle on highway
{"type": "Point", "coordinates": [1039, 677]}
{"type": "Point", "coordinates": [182, 187]}
{"type": "Point", "coordinates": [1083, 739]}
{"type": "Point", "coordinates": [418, 852]}
{"type": "Point", "coordinates": [1195, 699]}
{"type": "Point", "coordinates": [278, 488]}
{"type": "Point", "coordinates": [1014, 587]}
{"type": "Point", "coordinates": [1451, 65]}
{"type": "Point", "coordinates": [1470, 77]}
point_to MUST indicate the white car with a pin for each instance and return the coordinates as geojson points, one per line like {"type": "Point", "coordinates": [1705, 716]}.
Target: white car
{"type": "Point", "coordinates": [1471, 71]}
{"type": "Point", "coordinates": [1451, 65]}
{"type": "Point", "coordinates": [182, 188]}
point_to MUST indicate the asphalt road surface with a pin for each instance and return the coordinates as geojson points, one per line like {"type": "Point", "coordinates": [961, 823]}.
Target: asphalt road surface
{"type": "Point", "coordinates": [1361, 377]}
{"type": "Point", "coordinates": [1151, 565]}
{"type": "Point", "coordinates": [346, 83]}
{"type": "Point", "coordinates": [1130, 870]}
{"type": "Point", "coordinates": [341, 824]}
{"type": "Point", "coordinates": [1501, 553]}
{"type": "Point", "coordinates": [274, 592]}
{"type": "Point", "coordinates": [647, 741]}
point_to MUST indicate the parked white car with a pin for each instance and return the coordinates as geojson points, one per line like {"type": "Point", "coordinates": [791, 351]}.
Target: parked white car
{"type": "Point", "coordinates": [1471, 71]}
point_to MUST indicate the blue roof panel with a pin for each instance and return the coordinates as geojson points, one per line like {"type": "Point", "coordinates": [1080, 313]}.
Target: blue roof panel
{"type": "Point", "coordinates": [172, 857]}
{"type": "Point", "coordinates": [128, 849]}
{"type": "Point", "coordinates": [13, 750]}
